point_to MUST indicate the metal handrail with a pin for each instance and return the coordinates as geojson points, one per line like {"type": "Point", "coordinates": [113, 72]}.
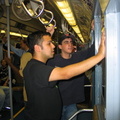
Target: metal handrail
{"type": "Point", "coordinates": [51, 18]}
{"type": "Point", "coordinates": [37, 5]}
{"type": "Point", "coordinates": [88, 85]}
{"type": "Point", "coordinates": [34, 9]}
{"type": "Point", "coordinates": [80, 111]}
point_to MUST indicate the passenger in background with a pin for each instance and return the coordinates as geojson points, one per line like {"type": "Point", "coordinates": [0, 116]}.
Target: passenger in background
{"type": "Point", "coordinates": [72, 91]}
{"type": "Point", "coordinates": [17, 56]}
{"type": "Point", "coordinates": [3, 72]}
{"type": "Point", "coordinates": [4, 98]}
{"type": "Point", "coordinates": [4, 89]}
{"type": "Point", "coordinates": [18, 45]}
{"type": "Point", "coordinates": [18, 51]}
{"type": "Point", "coordinates": [13, 63]}
{"type": "Point", "coordinates": [44, 101]}
{"type": "Point", "coordinates": [26, 56]}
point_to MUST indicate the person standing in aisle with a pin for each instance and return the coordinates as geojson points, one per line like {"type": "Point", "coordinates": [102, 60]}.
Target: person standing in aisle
{"type": "Point", "coordinates": [44, 101]}
{"type": "Point", "coordinates": [72, 91]}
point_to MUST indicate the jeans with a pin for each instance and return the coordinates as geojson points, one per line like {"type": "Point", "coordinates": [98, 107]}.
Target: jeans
{"type": "Point", "coordinates": [4, 97]}
{"type": "Point", "coordinates": [68, 111]}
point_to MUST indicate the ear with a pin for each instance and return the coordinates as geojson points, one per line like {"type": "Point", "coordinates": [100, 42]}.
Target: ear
{"type": "Point", "coordinates": [59, 46]}
{"type": "Point", "coordinates": [37, 48]}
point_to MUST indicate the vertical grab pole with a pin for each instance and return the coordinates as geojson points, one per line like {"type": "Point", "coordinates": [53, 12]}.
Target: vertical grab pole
{"type": "Point", "coordinates": [98, 68]}
{"type": "Point", "coordinates": [9, 69]}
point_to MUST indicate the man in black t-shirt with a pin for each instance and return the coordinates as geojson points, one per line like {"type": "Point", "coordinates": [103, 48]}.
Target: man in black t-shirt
{"type": "Point", "coordinates": [72, 91]}
{"type": "Point", "coordinates": [44, 102]}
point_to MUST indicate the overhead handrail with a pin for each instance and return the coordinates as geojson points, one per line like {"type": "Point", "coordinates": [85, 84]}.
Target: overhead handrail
{"type": "Point", "coordinates": [19, 11]}
{"type": "Point", "coordinates": [53, 22]}
{"type": "Point", "coordinates": [37, 8]}
{"type": "Point", "coordinates": [34, 9]}
{"type": "Point", "coordinates": [46, 17]}
{"type": "Point", "coordinates": [64, 26]}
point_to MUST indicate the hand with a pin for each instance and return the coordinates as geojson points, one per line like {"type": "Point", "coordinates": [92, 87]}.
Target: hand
{"type": "Point", "coordinates": [102, 44]}
{"type": "Point", "coordinates": [93, 25]}
{"type": "Point", "coordinates": [50, 29]}
{"type": "Point", "coordinates": [8, 60]}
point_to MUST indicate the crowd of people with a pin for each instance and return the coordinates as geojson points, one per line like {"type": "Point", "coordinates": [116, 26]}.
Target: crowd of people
{"type": "Point", "coordinates": [14, 62]}
{"type": "Point", "coordinates": [53, 85]}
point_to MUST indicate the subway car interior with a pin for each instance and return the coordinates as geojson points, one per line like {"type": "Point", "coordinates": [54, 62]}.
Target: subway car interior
{"type": "Point", "coordinates": [85, 20]}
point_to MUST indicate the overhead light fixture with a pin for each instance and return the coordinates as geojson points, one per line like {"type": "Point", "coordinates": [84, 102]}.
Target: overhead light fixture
{"type": "Point", "coordinates": [65, 9]}
{"type": "Point", "coordinates": [77, 30]}
{"type": "Point", "coordinates": [15, 34]}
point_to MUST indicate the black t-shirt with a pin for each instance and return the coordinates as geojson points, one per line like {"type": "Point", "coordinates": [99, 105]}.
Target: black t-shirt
{"type": "Point", "coordinates": [72, 91]}
{"type": "Point", "coordinates": [44, 102]}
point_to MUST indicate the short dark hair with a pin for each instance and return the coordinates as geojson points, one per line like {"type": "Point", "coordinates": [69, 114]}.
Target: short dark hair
{"type": "Point", "coordinates": [64, 36]}
{"type": "Point", "coordinates": [35, 38]}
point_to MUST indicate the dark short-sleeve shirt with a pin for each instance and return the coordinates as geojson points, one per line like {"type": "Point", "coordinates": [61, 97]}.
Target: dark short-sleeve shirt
{"type": "Point", "coordinates": [44, 102]}
{"type": "Point", "coordinates": [72, 90]}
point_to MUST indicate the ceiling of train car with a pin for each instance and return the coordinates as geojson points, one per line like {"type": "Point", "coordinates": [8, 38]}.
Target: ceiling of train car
{"type": "Point", "coordinates": [82, 10]}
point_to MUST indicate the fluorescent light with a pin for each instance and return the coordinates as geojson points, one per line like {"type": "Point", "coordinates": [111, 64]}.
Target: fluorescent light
{"type": "Point", "coordinates": [15, 34]}
{"type": "Point", "coordinates": [68, 15]}
{"type": "Point", "coordinates": [78, 32]}
{"type": "Point", "coordinates": [62, 4]}
{"type": "Point", "coordinates": [76, 29]}
{"type": "Point", "coordinates": [65, 9]}
{"type": "Point", "coordinates": [81, 37]}
{"type": "Point", "coordinates": [72, 22]}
